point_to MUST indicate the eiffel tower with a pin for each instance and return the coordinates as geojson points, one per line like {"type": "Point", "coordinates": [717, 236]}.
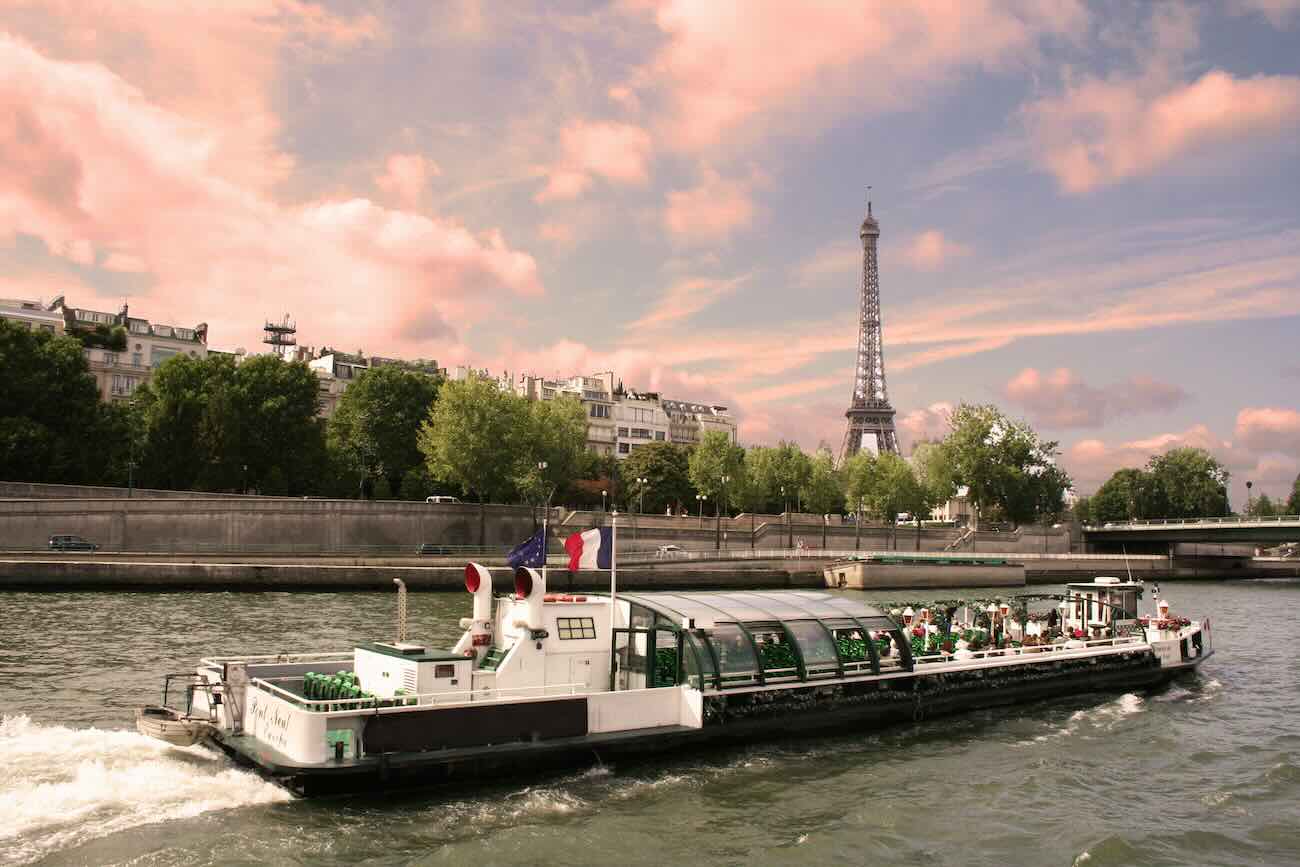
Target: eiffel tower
{"type": "Point", "coordinates": [871, 418]}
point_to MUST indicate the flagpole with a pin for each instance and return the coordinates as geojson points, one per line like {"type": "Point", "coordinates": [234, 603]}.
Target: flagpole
{"type": "Point", "coordinates": [545, 517]}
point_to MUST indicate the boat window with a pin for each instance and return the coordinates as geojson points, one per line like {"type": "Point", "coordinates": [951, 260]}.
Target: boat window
{"type": "Point", "coordinates": [665, 672]}
{"type": "Point", "coordinates": [693, 657]}
{"type": "Point", "coordinates": [641, 617]}
{"type": "Point", "coordinates": [736, 661]}
{"type": "Point", "coordinates": [575, 627]}
{"type": "Point", "coordinates": [815, 644]}
{"type": "Point", "coordinates": [852, 644]}
{"type": "Point", "coordinates": [775, 650]}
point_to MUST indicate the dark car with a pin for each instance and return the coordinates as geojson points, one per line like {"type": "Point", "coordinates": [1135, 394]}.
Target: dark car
{"type": "Point", "coordinates": [72, 543]}
{"type": "Point", "coordinates": [430, 548]}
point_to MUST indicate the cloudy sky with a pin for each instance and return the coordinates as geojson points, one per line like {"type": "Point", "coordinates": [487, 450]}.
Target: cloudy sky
{"type": "Point", "coordinates": [1090, 211]}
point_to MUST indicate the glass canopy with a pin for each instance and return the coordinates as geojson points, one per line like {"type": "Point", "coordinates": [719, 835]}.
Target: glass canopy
{"type": "Point", "coordinates": [755, 637]}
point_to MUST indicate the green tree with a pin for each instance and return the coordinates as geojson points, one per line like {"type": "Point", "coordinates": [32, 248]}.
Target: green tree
{"type": "Point", "coordinates": [1125, 496]}
{"type": "Point", "coordinates": [791, 469]}
{"type": "Point", "coordinates": [49, 409]}
{"type": "Point", "coordinates": [1293, 502]}
{"type": "Point", "coordinates": [666, 466]}
{"type": "Point", "coordinates": [1004, 465]}
{"type": "Point", "coordinates": [932, 463]}
{"type": "Point", "coordinates": [556, 436]}
{"type": "Point", "coordinates": [375, 425]}
{"type": "Point", "coordinates": [1262, 507]}
{"type": "Point", "coordinates": [474, 437]}
{"type": "Point", "coordinates": [1187, 483]}
{"type": "Point", "coordinates": [761, 479]}
{"type": "Point", "coordinates": [713, 459]}
{"type": "Point", "coordinates": [208, 424]}
{"type": "Point", "coordinates": [1083, 512]}
{"type": "Point", "coordinates": [885, 486]}
{"type": "Point", "coordinates": [823, 492]}
{"type": "Point", "coordinates": [279, 437]}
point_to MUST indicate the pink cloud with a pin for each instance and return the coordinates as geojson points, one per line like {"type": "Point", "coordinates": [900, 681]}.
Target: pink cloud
{"type": "Point", "coordinates": [1278, 12]}
{"type": "Point", "coordinates": [726, 64]}
{"type": "Point", "coordinates": [1101, 132]}
{"type": "Point", "coordinates": [87, 159]}
{"type": "Point", "coordinates": [926, 423]}
{"type": "Point", "coordinates": [709, 212]}
{"type": "Point", "coordinates": [930, 250]}
{"type": "Point", "coordinates": [685, 298]}
{"type": "Point", "coordinates": [618, 152]}
{"type": "Point", "coordinates": [405, 176]}
{"type": "Point", "coordinates": [1061, 399]}
{"type": "Point", "coordinates": [1269, 429]}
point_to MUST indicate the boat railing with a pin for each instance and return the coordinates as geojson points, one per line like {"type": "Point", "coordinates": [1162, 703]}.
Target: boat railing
{"type": "Point", "coordinates": [428, 699]}
{"type": "Point", "coordinates": [336, 656]}
{"type": "Point", "coordinates": [1076, 645]}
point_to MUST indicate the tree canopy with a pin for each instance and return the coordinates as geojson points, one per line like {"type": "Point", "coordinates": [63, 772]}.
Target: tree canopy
{"type": "Point", "coordinates": [50, 414]}
{"type": "Point", "coordinates": [666, 466]}
{"type": "Point", "coordinates": [209, 424]}
{"type": "Point", "coordinates": [714, 459]}
{"type": "Point", "coordinates": [374, 428]}
{"type": "Point", "coordinates": [1004, 465]}
{"type": "Point", "coordinates": [1293, 502]}
{"type": "Point", "coordinates": [1181, 483]}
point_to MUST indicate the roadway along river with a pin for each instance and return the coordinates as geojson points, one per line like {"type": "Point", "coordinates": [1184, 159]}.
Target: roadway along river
{"type": "Point", "coordinates": [1205, 772]}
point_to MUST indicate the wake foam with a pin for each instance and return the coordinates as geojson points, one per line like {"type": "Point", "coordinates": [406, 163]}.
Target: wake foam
{"type": "Point", "coordinates": [1105, 716]}
{"type": "Point", "coordinates": [61, 787]}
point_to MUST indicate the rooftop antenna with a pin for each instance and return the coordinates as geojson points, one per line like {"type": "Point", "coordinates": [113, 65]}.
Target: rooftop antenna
{"type": "Point", "coordinates": [281, 336]}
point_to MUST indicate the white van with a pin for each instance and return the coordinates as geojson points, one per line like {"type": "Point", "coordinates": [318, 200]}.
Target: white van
{"type": "Point", "coordinates": [441, 500]}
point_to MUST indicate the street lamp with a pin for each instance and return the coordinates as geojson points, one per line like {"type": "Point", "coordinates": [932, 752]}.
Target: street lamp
{"type": "Point", "coordinates": [1249, 485]}
{"type": "Point", "coordinates": [700, 498]}
{"type": "Point", "coordinates": [785, 508]}
{"type": "Point", "coordinates": [640, 506]}
{"type": "Point", "coordinates": [717, 515]}
{"type": "Point", "coordinates": [603, 495]}
{"type": "Point", "coordinates": [541, 472]}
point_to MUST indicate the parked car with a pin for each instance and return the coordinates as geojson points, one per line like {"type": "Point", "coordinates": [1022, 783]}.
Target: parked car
{"type": "Point", "coordinates": [439, 499]}
{"type": "Point", "coordinates": [668, 551]}
{"type": "Point", "coordinates": [71, 543]}
{"type": "Point", "coordinates": [431, 548]}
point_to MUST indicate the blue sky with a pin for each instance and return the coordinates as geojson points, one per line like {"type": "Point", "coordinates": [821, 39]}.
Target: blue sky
{"type": "Point", "coordinates": [1089, 210]}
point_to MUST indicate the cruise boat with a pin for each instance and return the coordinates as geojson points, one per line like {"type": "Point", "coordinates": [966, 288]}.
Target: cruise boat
{"type": "Point", "coordinates": [544, 681]}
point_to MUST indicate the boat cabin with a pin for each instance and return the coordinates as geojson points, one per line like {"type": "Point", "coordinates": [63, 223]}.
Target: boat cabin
{"type": "Point", "coordinates": [1103, 607]}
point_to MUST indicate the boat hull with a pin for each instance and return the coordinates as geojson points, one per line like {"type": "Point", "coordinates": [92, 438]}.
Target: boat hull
{"type": "Point", "coordinates": [730, 720]}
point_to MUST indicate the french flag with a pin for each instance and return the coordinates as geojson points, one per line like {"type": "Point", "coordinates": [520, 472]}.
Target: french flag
{"type": "Point", "coordinates": [590, 550]}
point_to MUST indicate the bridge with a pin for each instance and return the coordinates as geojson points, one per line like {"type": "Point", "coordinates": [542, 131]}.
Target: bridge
{"type": "Point", "coordinates": [1255, 530]}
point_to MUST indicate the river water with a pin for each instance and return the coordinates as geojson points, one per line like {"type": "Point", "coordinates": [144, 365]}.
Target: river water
{"type": "Point", "coordinates": [1206, 771]}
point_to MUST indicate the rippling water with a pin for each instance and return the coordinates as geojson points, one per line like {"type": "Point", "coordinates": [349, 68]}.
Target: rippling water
{"type": "Point", "coordinates": [1205, 772]}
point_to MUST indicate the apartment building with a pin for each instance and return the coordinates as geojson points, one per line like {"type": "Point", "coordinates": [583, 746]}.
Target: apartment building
{"type": "Point", "coordinates": [32, 315]}
{"type": "Point", "coordinates": [123, 350]}
{"type": "Point", "coordinates": [596, 392]}
{"type": "Point", "coordinates": [337, 370]}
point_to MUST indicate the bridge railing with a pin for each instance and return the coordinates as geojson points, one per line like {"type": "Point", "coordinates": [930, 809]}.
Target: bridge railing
{"type": "Point", "coordinates": [1232, 521]}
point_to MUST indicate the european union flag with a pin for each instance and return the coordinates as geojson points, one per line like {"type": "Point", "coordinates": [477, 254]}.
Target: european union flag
{"type": "Point", "coordinates": [530, 552]}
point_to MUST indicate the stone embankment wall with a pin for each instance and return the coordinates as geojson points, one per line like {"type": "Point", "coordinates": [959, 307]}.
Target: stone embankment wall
{"type": "Point", "coordinates": [182, 522]}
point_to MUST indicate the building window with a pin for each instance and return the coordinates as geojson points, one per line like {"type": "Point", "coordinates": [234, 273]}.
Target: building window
{"type": "Point", "coordinates": [110, 357]}
{"type": "Point", "coordinates": [136, 358]}
{"type": "Point", "coordinates": [659, 435]}
{"type": "Point", "coordinates": [576, 627]}
{"type": "Point", "coordinates": [640, 433]}
{"type": "Point", "coordinates": [622, 431]}
{"type": "Point", "coordinates": [599, 410]}
{"type": "Point", "coordinates": [623, 448]}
